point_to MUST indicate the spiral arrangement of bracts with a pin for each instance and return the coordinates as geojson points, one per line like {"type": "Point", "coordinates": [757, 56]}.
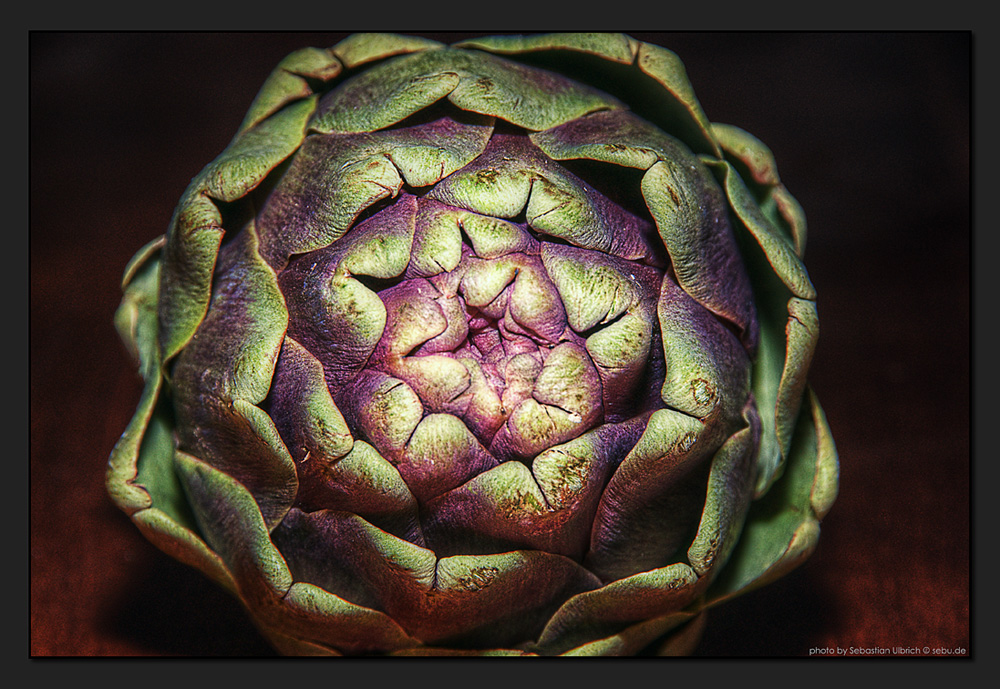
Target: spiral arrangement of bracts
{"type": "Point", "coordinates": [456, 353]}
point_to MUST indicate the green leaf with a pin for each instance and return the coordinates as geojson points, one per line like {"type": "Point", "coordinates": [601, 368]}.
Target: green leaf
{"type": "Point", "coordinates": [136, 322]}
{"type": "Point", "coordinates": [360, 48]}
{"type": "Point", "coordinates": [335, 177]}
{"type": "Point", "coordinates": [233, 526]}
{"type": "Point", "coordinates": [513, 176]}
{"type": "Point", "coordinates": [391, 91]}
{"type": "Point", "coordinates": [227, 369]}
{"type": "Point", "coordinates": [730, 489]}
{"type": "Point", "coordinates": [782, 528]}
{"type": "Point", "coordinates": [748, 150]}
{"type": "Point", "coordinates": [635, 638]}
{"type": "Point", "coordinates": [494, 599]}
{"type": "Point", "coordinates": [590, 622]}
{"type": "Point", "coordinates": [691, 216]}
{"type": "Point", "coordinates": [233, 354]}
{"type": "Point", "coordinates": [611, 46]}
{"type": "Point", "coordinates": [122, 465]}
{"type": "Point", "coordinates": [667, 69]}
{"type": "Point", "coordinates": [776, 246]}
{"type": "Point", "coordinates": [183, 544]}
{"type": "Point", "coordinates": [289, 82]}
{"type": "Point", "coordinates": [196, 230]}
{"type": "Point", "coordinates": [653, 502]}
{"type": "Point", "coordinates": [546, 507]}
{"type": "Point", "coordinates": [708, 370]}
{"type": "Point", "coordinates": [756, 161]}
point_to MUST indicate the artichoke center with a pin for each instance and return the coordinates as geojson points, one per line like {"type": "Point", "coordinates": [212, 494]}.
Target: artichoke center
{"type": "Point", "coordinates": [489, 343]}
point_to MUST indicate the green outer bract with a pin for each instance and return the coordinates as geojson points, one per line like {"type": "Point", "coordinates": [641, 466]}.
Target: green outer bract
{"type": "Point", "coordinates": [214, 512]}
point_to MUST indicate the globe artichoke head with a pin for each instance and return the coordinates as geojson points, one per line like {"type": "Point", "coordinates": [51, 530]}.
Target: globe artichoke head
{"type": "Point", "coordinates": [498, 347]}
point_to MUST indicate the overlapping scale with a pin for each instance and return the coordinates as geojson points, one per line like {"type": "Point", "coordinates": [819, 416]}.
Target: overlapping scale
{"type": "Point", "coordinates": [514, 176]}
{"type": "Point", "coordinates": [225, 372]}
{"type": "Point", "coordinates": [489, 600]}
{"type": "Point", "coordinates": [682, 197]}
{"type": "Point", "coordinates": [334, 177]}
{"type": "Point", "coordinates": [390, 92]}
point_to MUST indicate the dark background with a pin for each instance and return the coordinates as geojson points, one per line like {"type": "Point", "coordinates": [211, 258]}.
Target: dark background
{"type": "Point", "coordinates": [871, 132]}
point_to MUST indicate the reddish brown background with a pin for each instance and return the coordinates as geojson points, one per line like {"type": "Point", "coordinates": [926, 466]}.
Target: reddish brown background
{"type": "Point", "coordinates": [871, 133]}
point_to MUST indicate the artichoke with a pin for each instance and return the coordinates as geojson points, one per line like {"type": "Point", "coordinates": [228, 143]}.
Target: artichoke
{"type": "Point", "coordinates": [490, 348]}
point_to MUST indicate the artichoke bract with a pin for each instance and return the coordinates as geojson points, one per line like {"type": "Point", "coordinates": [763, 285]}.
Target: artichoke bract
{"type": "Point", "coordinates": [497, 347]}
